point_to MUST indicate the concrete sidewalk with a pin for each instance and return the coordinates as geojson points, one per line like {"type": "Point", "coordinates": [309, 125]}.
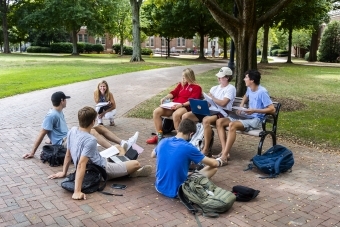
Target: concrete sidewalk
{"type": "Point", "coordinates": [308, 196]}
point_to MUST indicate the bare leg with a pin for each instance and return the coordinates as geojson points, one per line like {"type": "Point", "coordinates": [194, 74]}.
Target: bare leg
{"type": "Point", "coordinates": [132, 166]}
{"type": "Point", "coordinates": [233, 127]}
{"type": "Point", "coordinates": [191, 116]}
{"type": "Point", "coordinates": [177, 116]}
{"type": "Point", "coordinates": [221, 124]}
{"type": "Point", "coordinates": [157, 113]}
{"type": "Point", "coordinates": [208, 171]}
{"type": "Point", "coordinates": [207, 121]}
{"type": "Point", "coordinates": [100, 139]}
{"type": "Point", "coordinates": [107, 134]}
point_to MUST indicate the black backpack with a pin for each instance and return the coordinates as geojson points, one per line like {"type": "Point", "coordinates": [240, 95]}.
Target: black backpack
{"type": "Point", "coordinates": [167, 125]}
{"type": "Point", "coordinates": [53, 154]}
{"type": "Point", "coordinates": [92, 181]}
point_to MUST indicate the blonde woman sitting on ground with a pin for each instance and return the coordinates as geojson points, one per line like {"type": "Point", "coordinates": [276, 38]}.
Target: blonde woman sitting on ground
{"type": "Point", "coordinates": [106, 105]}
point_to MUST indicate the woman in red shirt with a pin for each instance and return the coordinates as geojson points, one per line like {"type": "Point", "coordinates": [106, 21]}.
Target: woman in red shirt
{"type": "Point", "coordinates": [186, 89]}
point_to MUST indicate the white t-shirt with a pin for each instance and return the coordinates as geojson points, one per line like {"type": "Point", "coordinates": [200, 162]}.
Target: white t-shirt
{"type": "Point", "coordinates": [224, 92]}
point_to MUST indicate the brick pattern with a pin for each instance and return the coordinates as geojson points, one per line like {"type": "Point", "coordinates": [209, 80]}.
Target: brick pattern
{"type": "Point", "coordinates": [308, 196]}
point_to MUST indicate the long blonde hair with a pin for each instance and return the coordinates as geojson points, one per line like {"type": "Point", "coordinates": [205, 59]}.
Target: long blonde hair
{"type": "Point", "coordinates": [189, 76]}
{"type": "Point", "coordinates": [97, 91]}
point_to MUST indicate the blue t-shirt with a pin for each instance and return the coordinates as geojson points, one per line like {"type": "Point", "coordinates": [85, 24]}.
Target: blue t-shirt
{"type": "Point", "coordinates": [55, 124]}
{"type": "Point", "coordinates": [172, 164]}
{"type": "Point", "coordinates": [258, 99]}
{"type": "Point", "coordinates": [82, 143]}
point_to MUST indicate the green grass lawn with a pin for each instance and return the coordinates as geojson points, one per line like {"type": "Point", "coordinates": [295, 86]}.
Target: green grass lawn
{"type": "Point", "coordinates": [315, 123]}
{"type": "Point", "coordinates": [22, 73]}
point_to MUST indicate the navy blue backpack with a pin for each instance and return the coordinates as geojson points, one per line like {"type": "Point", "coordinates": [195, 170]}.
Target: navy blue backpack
{"type": "Point", "coordinates": [278, 159]}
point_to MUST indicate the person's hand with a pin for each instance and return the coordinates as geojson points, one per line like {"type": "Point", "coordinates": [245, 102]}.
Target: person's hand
{"type": "Point", "coordinates": [57, 175]}
{"type": "Point", "coordinates": [79, 195]}
{"type": "Point", "coordinates": [101, 115]}
{"type": "Point", "coordinates": [249, 111]}
{"type": "Point", "coordinates": [210, 95]}
{"type": "Point", "coordinates": [177, 106]}
{"type": "Point", "coordinates": [28, 155]}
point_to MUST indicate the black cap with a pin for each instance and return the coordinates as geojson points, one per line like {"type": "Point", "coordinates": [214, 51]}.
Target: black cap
{"type": "Point", "coordinates": [58, 96]}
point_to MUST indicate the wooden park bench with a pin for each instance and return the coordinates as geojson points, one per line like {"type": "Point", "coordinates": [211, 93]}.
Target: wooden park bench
{"type": "Point", "coordinates": [269, 125]}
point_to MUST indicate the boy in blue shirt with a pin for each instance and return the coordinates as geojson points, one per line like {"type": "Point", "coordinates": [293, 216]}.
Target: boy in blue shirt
{"type": "Point", "coordinates": [259, 104]}
{"type": "Point", "coordinates": [173, 157]}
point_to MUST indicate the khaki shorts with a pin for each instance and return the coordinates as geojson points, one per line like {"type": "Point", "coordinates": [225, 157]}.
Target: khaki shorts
{"type": "Point", "coordinates": [115, 170]}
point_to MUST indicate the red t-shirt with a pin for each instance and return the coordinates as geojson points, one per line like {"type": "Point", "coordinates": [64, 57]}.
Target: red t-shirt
{"type": "Point", "coordinates": [183, 93]}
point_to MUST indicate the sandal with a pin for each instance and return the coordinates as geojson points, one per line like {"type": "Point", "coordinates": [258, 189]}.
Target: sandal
{"type": "Point", "coordinates": [112, 123]}
{"type": "Point", "coordinates": [219, 155]}
{"type": "Point", "coordinates": [223, 163]}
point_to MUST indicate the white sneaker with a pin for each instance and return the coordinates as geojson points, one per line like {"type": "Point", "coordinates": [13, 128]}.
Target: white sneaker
{"type": "Point", "coordinates": [124, 144]}
{"type": "Point", "coordinates": [132, 140]}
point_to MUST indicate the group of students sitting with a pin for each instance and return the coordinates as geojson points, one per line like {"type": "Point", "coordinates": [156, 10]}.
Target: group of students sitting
{"type": "Point", "coordinates": [173, 155]}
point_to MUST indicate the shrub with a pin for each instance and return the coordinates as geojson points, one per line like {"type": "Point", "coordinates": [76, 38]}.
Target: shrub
{"type": "Point", "coordinates": [127, 50]}
{"type": "Point", "coordinates": [97, 48]}
{"type": "Point", "coordinates": [45, 49]}
{"type": "Point", "coordinates": [306, 56]}
{"type": "Point", "coordinates": [80, 47]}
{"type": "Point", "coordinates": [88, 48]}
{"type": "Point", "coordinates": [330, 43]}
{"type": "Point", "coordinates": [34, 49]}
{"type": "Point", "coordinates": [61, 47]}
{"type": "Point", "coordinates": [146, 51]}
{"type": "Point", "coordinates": [282, 53]}
{"type": "Point", "coordinates": [274, 52]}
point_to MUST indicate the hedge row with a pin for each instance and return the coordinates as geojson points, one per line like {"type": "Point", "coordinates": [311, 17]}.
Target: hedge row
{"type": "Point", "coordinates": [67, 48]}
{"type": "Point", "coordinates": [127, 50]}
{"type": "Point", "coordinates": [279, 52]}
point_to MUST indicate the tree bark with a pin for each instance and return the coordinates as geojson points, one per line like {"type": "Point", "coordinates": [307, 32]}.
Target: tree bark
{"type": "Point", "coordinates": [201, 56]}
{"type": "Point", "coordinates": [264, 58]}
{"type": "Point", "coordinates": [4, 9]}
{"type": "Point", "coordinates": [225, 48]}
{"type": "Point", "coordinates": [313, 47]}
{"type": "Point", "coordinates": [243, 30]}
{"type": "Point", "coordinates": [135, 8]}
{"type": "Point", "coordinates": [168, 46]}
{"type": "Point", "coordinates": [290, 35]}
{"type": "Point", "coordinates": [121, 46]}
{"type": "Point", "coordinates": [74, 42]}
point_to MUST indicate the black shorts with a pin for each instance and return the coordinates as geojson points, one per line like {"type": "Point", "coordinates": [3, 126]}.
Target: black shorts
{"type": "Point", "coordinates": [200, 117]}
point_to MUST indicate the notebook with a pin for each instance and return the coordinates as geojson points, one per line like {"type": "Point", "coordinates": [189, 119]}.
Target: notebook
{"type": "Point", "coordinates": [201, 107]}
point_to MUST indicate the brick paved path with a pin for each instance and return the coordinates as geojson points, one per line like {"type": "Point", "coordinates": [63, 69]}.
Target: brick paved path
{"type": "Point", "coordinates": [309, 196]}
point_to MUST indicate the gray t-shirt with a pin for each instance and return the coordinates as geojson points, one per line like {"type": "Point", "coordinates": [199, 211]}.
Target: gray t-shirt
{"type": "Point", "coordinates": [82, 143]}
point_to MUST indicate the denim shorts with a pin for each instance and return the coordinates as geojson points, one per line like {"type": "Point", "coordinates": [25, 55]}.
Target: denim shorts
{"type": "Point", "coordinates": [249, 124]}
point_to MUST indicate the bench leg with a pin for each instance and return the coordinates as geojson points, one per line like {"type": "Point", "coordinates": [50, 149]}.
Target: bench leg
{"type": "Point", "coordinates": [263, 137]}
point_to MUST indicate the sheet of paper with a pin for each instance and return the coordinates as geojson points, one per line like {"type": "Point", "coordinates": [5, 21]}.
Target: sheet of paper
{"type": "Point", "coordinates": [239, 108]}
{"type": "Point", "coordinates": [211, 102]}
{"type": "Point", "coordinates": [99, 104]}
{"type": "Point", "coordinates": [169, 105]}
{"type": "Point", "coordinates": [138, 148]}
{"type": "Point", "coordinates": [109, 152]}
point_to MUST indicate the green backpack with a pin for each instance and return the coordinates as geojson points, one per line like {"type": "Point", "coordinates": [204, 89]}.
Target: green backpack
{"type": "Point", "coordinates": [199, 190]}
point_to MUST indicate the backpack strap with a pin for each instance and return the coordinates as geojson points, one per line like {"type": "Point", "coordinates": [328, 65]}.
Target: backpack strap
{"type": "Point", "coordinates": [278, 162]}
{"type": "Point", "coordinates": [188, 205]}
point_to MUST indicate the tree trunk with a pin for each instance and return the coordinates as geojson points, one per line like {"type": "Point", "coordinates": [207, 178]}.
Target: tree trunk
{"type": "Point", "coordinates": [201, 56]}
{"type": "Point", "coordinates": [135, 8]}
{"type": "Point", "coordinates": [74, 42]}
{"type": "Point", "coordinates": [225, 48]}
{"type": "Point", "coordinates": [313, 47]}
{"type": "Point", "coordinates": [4, 7]}
{"type": "Point", "coordinates": [290, 35]}
{"type": "Point", "coordinates": [168, 47]}
{"type": "Point", "coordinates": [121, 46]}
{"type": "Point", "coordinates": [264, 58]}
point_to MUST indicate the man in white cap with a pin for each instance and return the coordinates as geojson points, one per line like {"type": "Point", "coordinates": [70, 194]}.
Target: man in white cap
{"type": "Point", "coordinates": [223, 95]}
{"type": "Point", "coordinates": [55, 127]}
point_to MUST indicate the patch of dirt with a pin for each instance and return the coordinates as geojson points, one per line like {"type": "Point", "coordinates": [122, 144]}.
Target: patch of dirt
{"type": "Point", "coordinates": [288, 104]}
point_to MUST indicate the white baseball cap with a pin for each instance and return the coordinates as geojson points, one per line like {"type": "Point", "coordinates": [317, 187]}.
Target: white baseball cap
{"type": "Point", "coordinates": [224, 71]}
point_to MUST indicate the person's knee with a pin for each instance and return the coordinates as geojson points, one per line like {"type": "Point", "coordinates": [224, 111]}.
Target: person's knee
{"type": "Point", "coordinates": [132, 166]}
{"type": "Point", "coordinates": [186, 115]}
{"type": "Point", "coordinates": [234, 126]}
{"type": "Point", "coordinates": [158, 112]}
